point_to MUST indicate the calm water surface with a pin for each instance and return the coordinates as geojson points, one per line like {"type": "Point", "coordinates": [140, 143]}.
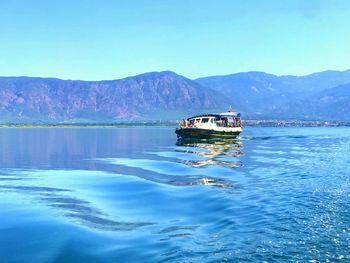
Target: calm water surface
{"type": "Point", "coordinates": [141, 195]}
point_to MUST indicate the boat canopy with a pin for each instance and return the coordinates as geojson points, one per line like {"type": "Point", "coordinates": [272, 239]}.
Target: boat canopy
{"type": "Point", "coordinates": [230, 114]}
{"type": "Point", "coordinates": [218, 115]}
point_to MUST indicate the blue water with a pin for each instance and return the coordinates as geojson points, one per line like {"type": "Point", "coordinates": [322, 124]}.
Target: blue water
{"type": "Point", "coordinates": [141, 195]}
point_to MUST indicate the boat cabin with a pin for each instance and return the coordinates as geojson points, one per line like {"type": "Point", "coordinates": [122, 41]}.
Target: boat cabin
{"type": "Point", "coordinates": [227, 119]}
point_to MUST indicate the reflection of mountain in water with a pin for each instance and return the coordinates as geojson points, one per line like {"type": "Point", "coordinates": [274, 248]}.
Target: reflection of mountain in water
{"type": "Point", "coordinates": [217, 151]}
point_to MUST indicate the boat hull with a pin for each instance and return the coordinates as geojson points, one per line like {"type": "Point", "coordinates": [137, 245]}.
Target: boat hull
{"type": "Point", "coordinates": [198, 132]}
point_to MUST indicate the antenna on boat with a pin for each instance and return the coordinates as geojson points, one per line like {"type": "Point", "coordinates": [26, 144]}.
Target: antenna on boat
{"type": "Point", "coordinates": [229, 109]}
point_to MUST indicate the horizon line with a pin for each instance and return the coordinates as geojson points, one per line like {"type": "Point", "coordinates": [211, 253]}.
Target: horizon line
{"type": "Point", "coordinates": [171, 71]}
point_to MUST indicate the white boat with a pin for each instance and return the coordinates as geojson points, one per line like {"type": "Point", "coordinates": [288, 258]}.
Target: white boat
{"type": "Point", "coordinates": [227, 124]}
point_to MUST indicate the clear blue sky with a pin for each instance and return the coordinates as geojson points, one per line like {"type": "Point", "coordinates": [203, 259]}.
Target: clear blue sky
{"type": "Point", "coordinates": [95, 40]}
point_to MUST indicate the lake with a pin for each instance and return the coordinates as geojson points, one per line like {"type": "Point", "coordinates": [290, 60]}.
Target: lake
{"type": "Point", "coordinates": [142, 195]}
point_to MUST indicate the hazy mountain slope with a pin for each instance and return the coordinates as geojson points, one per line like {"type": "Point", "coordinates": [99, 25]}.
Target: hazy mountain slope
{"type": "Point", "coordinates": [316, 82]}
{"type": "Point", "coordinates": [250, 92]}
{"type": "Point", "coordinates": [329, 104]}
{"type": "Point", "coordinates": [262, 95]}
{"type": "Point", "coordinates": [152, 95]}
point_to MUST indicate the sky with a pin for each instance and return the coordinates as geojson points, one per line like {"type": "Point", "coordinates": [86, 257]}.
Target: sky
{"type": "Point", "coordinates": [96, 40]}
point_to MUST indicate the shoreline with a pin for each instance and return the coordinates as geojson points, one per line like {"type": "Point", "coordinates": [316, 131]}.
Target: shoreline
{"type": "Point", "coordinates": [247, 123]}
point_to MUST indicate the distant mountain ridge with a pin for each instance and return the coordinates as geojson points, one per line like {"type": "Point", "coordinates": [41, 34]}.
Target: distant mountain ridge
{"type": "Point", "coordinates": [164, 95]}
{"type": "Point", "coordinates": [328, 104]}
{"type": "Point", "coordinates": [263, 95]}
{"type": "Point", "coordinates": [169, 96]}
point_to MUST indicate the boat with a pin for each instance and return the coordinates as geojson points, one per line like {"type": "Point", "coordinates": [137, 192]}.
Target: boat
{"type": "Point", "coordinates": [226, 124]}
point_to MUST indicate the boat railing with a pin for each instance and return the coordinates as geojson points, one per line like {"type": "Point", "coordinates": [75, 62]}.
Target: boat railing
{"type": "Point", "coordinates": [236, 123]}
{"type": "Point", "coordinates": [224, 123]}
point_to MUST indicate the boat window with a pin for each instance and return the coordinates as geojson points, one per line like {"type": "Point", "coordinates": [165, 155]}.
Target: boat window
{"type": "Point", "coordinates": [191, 121]}
{"type": "Point", "coordinates": [212, 120]}
{"type": "Point", "coordinates": [198, 120]}
{"type": "Point", "coordinates": [205, 120]}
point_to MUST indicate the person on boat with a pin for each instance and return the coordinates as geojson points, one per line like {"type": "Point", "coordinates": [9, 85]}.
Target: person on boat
{"type": "Point", "coordinates": [225, 122]}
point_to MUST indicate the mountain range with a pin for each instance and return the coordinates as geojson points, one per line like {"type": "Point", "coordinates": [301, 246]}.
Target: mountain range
{"type": "Point", "coordinates": [261, 95]}
{"type": "Point", "coordinates": [169, 96]}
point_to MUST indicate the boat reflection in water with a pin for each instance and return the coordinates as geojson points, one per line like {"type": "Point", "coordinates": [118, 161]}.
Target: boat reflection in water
{"type": "Point", "coordinates": [212, 151]}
